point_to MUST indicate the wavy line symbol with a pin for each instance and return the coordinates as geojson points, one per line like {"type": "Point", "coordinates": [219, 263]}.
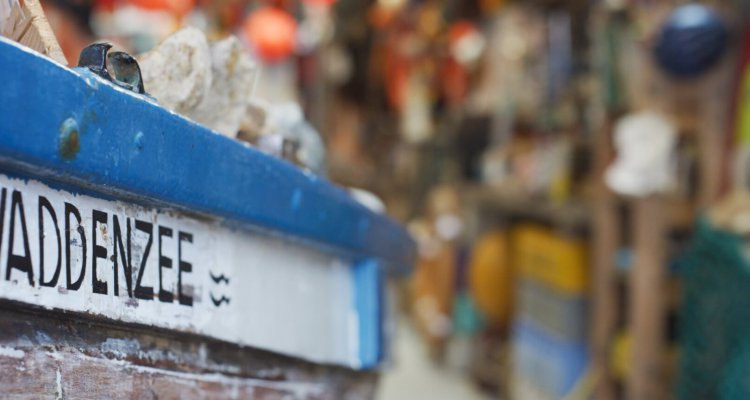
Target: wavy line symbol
{"type": "Point", "coordinates": [218, 279]}
{"type": "Point", "coordinates": [219, 301]}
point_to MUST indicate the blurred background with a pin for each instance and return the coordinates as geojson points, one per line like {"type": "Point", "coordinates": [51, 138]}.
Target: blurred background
{"type": "Point", "coordinates": [574, 172]}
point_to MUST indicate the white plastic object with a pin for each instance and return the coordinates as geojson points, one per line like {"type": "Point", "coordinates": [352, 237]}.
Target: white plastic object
{"type": "Point", "coordinates": [645, 164]}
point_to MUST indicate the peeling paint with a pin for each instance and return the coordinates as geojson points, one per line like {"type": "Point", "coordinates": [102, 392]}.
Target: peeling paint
{"type": "Point", "coordinates": [58, 380]}
{"type": "Point", "coordinates": [11, 352]}
{"type": "Point", "coordinates": [139, 141]}
{"type": "Point", "coordinates": [76, 365]}
{"type": "Point", "coordinates": [70, 140]}
{"type": "Point", "coordinates": [120, 348]}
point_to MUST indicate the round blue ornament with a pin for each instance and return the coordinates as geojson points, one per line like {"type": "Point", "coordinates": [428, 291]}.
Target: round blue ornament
{"type": "Point", "coordinates": [692, 40]}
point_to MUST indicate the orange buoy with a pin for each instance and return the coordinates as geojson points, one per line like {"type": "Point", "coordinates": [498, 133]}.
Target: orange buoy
{"type": "Point", "coordinates": [272, 33]}
{"type": "Point", "coordinates": [491, 278]}
{"type": "Point", "coordinates": [178, 7]}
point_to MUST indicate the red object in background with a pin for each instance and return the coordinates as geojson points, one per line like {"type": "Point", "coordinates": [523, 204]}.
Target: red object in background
{"type": "Point", "coordinates": [104, 5]}
{"type": "Point", "coordinates": [178, 7]}
{"type": "Point", "coordinates": [465, 42]}
{"type": "Point", "coordinates": [454, 81]}
{"type": "Point", "coordinates": [272, 32]}
{"type": "Point", "coordinates": [459, 30]}
{"type": "Point", "coordinates": [397, 65]}
{"type": "Point", "coordinates": [454, 75]}
{"type": "Point", "coordinates": [380, 17]}
{"type": "Point", "coordinates": [326, 3]}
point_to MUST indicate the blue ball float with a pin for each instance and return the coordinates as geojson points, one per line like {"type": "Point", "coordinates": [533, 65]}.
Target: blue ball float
{"type": "Point", "coordinates": [692, 40]}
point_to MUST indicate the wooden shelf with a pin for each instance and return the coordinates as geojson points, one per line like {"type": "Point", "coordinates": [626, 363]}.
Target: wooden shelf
{"type": "Point", "coordinates": [495, 200]}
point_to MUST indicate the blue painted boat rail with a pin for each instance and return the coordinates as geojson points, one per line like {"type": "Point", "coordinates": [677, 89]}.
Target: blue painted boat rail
{"type": "Point", "coordinates": [75, 128]}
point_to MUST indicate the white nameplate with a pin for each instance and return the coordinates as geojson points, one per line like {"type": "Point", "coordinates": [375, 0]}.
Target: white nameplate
{"type": "Point", "coordinates": [112, 259]}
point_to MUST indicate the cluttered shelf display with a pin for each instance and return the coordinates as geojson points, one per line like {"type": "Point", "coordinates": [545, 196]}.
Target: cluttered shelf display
{"type": "Point", "coordinates": [622, 181]}
{"type": "Point", "coordinates": [574, 176]}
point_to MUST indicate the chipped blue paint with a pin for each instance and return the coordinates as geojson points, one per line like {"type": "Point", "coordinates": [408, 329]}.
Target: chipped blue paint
{"type": "Point", "coordinates": [130, 146]}
{"type": "Point", "coordinates": [139, 141]}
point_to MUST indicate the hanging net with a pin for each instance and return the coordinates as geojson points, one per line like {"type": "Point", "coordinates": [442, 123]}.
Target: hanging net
{"type": "Point", "coordinates": [715, 318]}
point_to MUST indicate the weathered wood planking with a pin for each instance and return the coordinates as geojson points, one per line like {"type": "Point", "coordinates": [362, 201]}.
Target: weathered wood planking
{"type": "Point", "coordinates": [52, 355]}
{"type": "Point", "coordinates": [29, 26]}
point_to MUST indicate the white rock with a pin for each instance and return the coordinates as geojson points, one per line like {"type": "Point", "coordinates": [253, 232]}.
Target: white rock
{"type": "Point", "coordinates": [208, 82]}
{"type": "Point", "coordinates": [178, 71]}
{"type": "Point", "coordinates": [226, 104]}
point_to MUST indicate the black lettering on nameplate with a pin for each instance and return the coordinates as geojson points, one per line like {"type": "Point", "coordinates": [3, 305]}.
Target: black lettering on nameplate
{"type": "Point", "coordinates": [72, 211]}
{"type": "Point", "coordinates": [125, 258]}
{"type": "Point", "coordinates": [165, 296]}
{"type": "Point", "coordinates": [45, 205]}
{"type": "Point", "coordinates": [15, 261]}
{"type": "Point", "coordinates": [183, 266]}
{"type": "Point", "coordinates": [219, 279]}
{"type": "Point", "coordinates": [64, 231]}
{"type": "Point", "coordinates": [144, 292]}
{"type": "Point", "coordinates": [3, 197]}
{"type": "Point", "coordinates": [98, 219]}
